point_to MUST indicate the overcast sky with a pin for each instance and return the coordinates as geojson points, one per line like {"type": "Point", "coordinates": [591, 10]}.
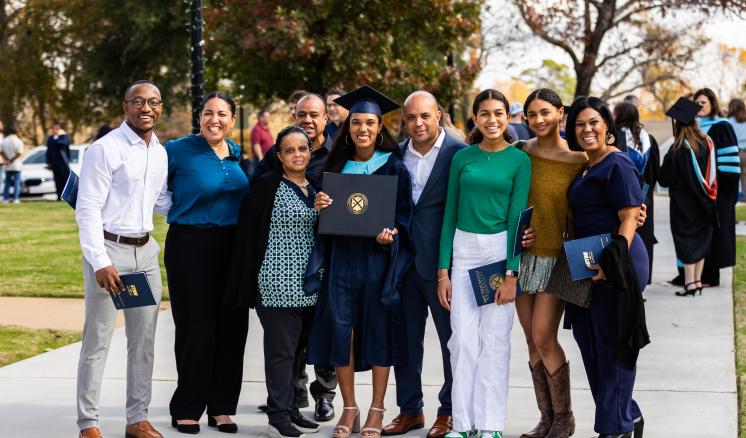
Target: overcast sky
{"type": "Point", "coordinates": [730, 31]}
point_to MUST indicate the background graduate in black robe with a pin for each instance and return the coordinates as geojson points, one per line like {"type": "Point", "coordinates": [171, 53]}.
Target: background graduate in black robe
{"type": "Point", "coordinates": [357, 322]}
{"type": "Point", "coordinates": [723, 253]}
{"type": "Point", "coordinates": [688, 171]}
{"type": "Point", "coordinates": [642, 148]}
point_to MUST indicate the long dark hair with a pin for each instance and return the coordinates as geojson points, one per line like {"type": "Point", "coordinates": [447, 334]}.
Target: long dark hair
{"type": "Point", "coordinates": [715, 110]}
{"type": "Point", "coordinates": [737, 110]}
{"type": "Point", "coordinates": [476, 136]}
{"type": "Point", "coordinates": [627, 116]}
{"type": "Point", "coordinates": [688, 134]}
{"type": "Point", "coordinates": [342, 151]}
{"type": "Point", "coordinates": [579, 105]}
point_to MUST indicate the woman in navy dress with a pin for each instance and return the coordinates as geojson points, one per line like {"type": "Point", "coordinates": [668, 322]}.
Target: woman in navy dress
{"type": "Point", "coordinates": [356, 326]}
{"type": "Point", "coordinates": [605, 198]}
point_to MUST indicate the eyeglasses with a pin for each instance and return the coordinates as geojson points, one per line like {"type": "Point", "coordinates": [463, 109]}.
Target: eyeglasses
{"type": "Point", "coordinates": [139, 102]}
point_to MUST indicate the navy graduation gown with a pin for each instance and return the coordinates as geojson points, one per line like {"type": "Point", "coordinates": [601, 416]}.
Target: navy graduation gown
{"type": "Point", "coordinates": [359, 290]}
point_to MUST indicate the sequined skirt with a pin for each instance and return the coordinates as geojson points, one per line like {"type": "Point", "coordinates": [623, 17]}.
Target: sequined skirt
{"type": "Point", "coordinates": [535, 272]}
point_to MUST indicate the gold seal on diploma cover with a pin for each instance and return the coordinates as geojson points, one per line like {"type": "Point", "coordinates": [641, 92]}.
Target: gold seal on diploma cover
{"type": "Point", "coordinates": [495, 281]}
{"type": "Point", "coordinates": [133, 290]}
{"type": "Point", "coordinates": [357, 203]}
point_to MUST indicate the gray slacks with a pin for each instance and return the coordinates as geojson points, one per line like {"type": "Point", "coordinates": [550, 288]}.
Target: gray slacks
{"type": "Point", "coordinates": [100, 321]}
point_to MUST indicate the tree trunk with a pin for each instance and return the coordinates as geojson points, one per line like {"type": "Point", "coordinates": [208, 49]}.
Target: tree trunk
{"type": "Point", "coordinates": [584, 74]}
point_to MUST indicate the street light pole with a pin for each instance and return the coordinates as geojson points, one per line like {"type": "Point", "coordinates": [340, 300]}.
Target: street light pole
{"type": "Point", "coordinates": [197, 60]}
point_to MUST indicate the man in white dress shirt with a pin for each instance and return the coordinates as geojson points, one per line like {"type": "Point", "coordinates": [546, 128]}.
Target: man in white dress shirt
{"type": "Point", "coordinates": [122, 182]}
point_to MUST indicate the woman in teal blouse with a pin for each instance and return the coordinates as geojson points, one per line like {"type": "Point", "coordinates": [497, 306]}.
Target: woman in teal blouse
{"type": "Point", "coordinates": [487, 189]}
{"type": "Point", "coordinates": [207, 186]}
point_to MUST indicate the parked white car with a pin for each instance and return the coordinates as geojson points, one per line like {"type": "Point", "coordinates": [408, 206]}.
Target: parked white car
{"type": "Point", "coordinates": [36, 179]}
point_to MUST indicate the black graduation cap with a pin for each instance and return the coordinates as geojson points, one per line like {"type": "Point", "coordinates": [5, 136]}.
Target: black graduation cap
{"type": "Point", "coordinates": [367, 100]}
{"type": "Point", "coordinates": [684, 111]}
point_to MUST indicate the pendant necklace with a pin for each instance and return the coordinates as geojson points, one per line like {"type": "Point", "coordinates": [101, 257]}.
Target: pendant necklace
{"type": "Point", "coordinates": [588, 166]}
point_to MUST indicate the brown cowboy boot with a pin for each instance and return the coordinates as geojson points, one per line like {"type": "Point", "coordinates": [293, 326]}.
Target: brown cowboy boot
{"type": "Point", "coordinates": [563, 425]}
{"type": "Point", "coordinates": [543, 400]}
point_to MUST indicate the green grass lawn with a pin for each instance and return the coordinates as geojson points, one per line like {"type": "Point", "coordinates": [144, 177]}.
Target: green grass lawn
{"type": "Point", "coordinates": [40, 250]}
{"type": "Point", "coordinates": [739, 299]}
{"type": "Point", "coordinates": [18, 343]}
{"type": "Point", "coordinates": [741, 212]}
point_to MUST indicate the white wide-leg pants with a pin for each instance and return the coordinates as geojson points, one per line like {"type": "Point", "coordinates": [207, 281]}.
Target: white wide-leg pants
{"type": "Point", "coordinates": [480, 343]}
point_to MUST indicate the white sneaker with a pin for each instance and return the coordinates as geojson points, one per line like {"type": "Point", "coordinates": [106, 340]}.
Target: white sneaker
{"type": "Point", "coordinates": [17, 201]}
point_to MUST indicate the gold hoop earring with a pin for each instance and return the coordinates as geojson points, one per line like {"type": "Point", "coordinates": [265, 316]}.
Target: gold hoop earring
{"type": "Point", "coordinates": [349, 142]}
{"type": "Point", "coordinates": [379, 143]}
{"type": "Point", "coordinates": [610, 139]}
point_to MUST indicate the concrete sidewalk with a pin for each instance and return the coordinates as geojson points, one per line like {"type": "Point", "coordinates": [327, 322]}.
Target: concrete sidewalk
{"type": "Point", "coordinates": [686, 382]}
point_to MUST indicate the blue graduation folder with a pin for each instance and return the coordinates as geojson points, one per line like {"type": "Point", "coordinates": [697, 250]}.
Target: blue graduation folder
{"type": "Point", "coordinates": [583, 252]}
{"type": "Point", "coordinates": [524, 220]}
{"type": "Point", "coordinates": [137, 292]}
{"type": "Point", "coordinates": [486, 279]}
{"type": "Point", "coordinates": [70, 192]}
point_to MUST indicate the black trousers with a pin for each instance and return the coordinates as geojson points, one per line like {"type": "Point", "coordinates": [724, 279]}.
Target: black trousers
{"type": "Point", "coordinates": [210, 338]}
{"type": "Point", "coordinates": [322, 387]}
{"type": "Point", "coordinates": [286, 332]}
{"type": "Point", "coordinates": [61, 172]}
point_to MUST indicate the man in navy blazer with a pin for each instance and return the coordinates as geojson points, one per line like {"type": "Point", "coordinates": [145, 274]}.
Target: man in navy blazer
{"type": "Point", "coordinates": [427, 156]}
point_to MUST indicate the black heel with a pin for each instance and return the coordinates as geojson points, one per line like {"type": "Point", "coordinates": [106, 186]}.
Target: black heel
{"type": "Point", "coordinates": [191, 429]}
{"type": "Point", "coordinates": [686, 292]}
{"type": "Point", "coordinates": [225, 428]}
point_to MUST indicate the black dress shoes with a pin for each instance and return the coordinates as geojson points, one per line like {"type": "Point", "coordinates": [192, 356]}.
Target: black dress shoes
{"type": "Point", "coordinates": [262, 408]}
{"type": "Point", "coordinates": [225, 427]}
{"type": "Point", "coordinates": [639, 425]}
{"type": "Point", "coordinates": [324, 410]}
{"type": "Point", "coordinates": [192, 429]}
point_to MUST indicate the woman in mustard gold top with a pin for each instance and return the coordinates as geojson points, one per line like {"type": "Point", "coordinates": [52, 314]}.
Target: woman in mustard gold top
{"type": "Point", "coordinates": [554, 166]}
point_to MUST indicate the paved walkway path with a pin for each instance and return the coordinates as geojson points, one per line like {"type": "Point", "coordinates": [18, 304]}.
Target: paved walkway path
{"type": "Point", "coordinates": [686, 378]}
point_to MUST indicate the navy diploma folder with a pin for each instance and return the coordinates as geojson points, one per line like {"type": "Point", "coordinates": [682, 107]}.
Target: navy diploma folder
{"type": "Point", "coordinates": [70, 192]}
{"type": "Point", "coordinates": [363, 205]}
{"type": "Point", "coordinates": [524, 220]}
{"type": "Point", "coordinates": [583, 252]}
{"type": "Point", "coordinates": [486, 279]}
{"type": "Point", "coordinates": [137, 292]}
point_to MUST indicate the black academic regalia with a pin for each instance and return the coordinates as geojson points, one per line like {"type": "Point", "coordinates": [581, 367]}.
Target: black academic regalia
{"type": "Point", "coordinates": [359, 290]}
{"type": "Point", "coordinates": [692, 212]}
{"type": "Point", "coordinates": [649, 176]}
{"type": "Point", "coordinates": [723, 253]}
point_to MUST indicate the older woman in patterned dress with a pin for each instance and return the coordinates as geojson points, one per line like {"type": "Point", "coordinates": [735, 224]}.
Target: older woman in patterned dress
{"type": "Point", "coordinates": [275, 239]}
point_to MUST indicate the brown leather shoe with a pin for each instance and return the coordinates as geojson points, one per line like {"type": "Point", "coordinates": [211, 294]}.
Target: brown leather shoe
{"type": "Point", "coordinates": [403, 424]}
{"type": "Point", "coordinates": [91, 432]}
{"type": "Point", "coordinates": [142, 429]}
{"type": "Point", "coordinates": [443, 424]}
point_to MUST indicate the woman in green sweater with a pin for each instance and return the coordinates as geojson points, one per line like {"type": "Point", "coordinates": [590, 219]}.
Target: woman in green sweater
{"type": "Point", "coordinates": [487, 189]}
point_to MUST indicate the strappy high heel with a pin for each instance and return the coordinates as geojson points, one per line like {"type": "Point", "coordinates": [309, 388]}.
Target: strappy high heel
{"type": "Point", "coordinates": [372, 432]}
{"type": "Point", "coordinates": [686, 292]}
{"type": "Point", "coordinates": [343, 431]}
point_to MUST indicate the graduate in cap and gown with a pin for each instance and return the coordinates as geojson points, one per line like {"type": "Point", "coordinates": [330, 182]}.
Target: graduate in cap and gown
{"type": "Point", "coordinates": [689, 172]}
{"type": "Point", "coordinates": [725, 142]}
{"type": "Point", "coordinates": [357, 322]}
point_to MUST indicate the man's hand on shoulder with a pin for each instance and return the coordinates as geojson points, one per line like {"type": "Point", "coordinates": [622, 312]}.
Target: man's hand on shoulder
{"type": "Point", "coordinates": [108, 278]}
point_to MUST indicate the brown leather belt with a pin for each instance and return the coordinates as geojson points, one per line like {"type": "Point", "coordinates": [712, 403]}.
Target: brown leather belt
{"type": "Point", "coordinates": [137, 241]}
